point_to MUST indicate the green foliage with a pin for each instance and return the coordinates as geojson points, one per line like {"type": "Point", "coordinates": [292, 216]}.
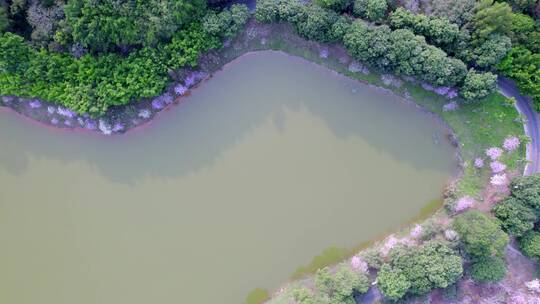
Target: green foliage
{"type": "Point", "coordinates": [340, 28]}
{"type": "Point", "coordinates": [491, 18]}
{"type": "Point", "coordinates": [418, 270]}
{"type": "Point", "coordinates": [104, 25]}
{"type": "Point", "coordinates": [226, 23]}
{"type": "Point", "coordinates": [339, 287]}
{"type": "Point", "coordinates": [373, 258]}
{"type": "Point", "coordinates": [337, 5]}
{"type": "Point", "coordinates": [478, 85]}
{"type": "Point", "coordinates": [480, 235]}
{"type": "Point", "coordinates": [530, 245]}
{"type": "Point", "coordinates": [488, 270]}
{"type": "Point", "coordinates": [373, 10]}
{"type": "Point", "coordinates": [315, 23]}
{"type": "Point", "coordinates": [302, 295]}
{"type": "Point", "coordinates": [14, 54]}
{"type": "Point", "coordinates": [310, 21]}
{"type": "Point", "coordinates": [492, 51]}
{"type": "Point", "coordinates": [515, 217]}
{"type": "Point", "coordinates": [438, 31]}
{"type": "Point", "coordinates": [93, 84]}
{"type": "Point", "coordinates": [524, 67]}
{"type": "Point", "coordinates": [404, 53]}
{"type": "Point", "coordinates": [368, 44]}
{"type": "Point", "coordinates": [527, 189]}
{"type": "Point", "coordinates": [526, 32]}
{"type": "Point", "coordinates": [267, 11]}
{"type": "Point", "coordinates": [456, 11]}
{"type": "Point", "coordinates": [392, 282]}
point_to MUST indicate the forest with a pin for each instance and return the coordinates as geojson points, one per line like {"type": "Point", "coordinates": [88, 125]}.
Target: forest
{"type": "Point", "coordinates": [91, 55]}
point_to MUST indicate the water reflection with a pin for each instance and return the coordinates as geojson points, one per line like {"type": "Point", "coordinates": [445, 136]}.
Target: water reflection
{"type": "Point", "coordinates": [222, 111]}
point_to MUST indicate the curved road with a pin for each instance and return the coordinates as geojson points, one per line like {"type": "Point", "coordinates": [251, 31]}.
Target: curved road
{"type": "Point", "coordinates": [532, 129]}
{"type": "Point", "coordinates": [532, 123]}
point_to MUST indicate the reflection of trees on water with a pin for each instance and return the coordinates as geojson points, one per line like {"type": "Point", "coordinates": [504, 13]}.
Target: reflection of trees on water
{"type": "Point", "coordinates": [217, 116]}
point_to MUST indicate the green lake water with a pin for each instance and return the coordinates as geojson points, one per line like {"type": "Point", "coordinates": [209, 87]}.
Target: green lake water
{"type": "Point", "coordinates": [263, 167]}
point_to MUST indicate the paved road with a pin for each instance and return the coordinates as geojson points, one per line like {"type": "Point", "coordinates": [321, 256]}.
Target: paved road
{"type": "Point", "coordinates": [532, 125]}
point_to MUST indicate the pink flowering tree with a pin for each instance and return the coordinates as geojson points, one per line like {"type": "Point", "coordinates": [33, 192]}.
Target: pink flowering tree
{"type": "Point", "coordinates": [494, 153]}
{"type": "Point", "coordinates": [499, 179]}
{"type": "Point", "coordinates": [464, 203]}
{"type": "Point", "coordinates": [511, 143]}
{"type": "Point", "coordinates": [497, 167]}
{"type": "Point", "coordinates": [357, 264]}
{"type": "Point", "coordinates": [479, 163]}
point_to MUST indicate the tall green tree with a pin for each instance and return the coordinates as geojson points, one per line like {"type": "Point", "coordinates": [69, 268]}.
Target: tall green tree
{"type": "Point", "coordinates": [373, 10]}
{"type": "Point", "coordinates": [491, 18]}
{"type": "Point", "coordinates": [480, 235]}
{"type": "Point", "coordinates": [102, 25]}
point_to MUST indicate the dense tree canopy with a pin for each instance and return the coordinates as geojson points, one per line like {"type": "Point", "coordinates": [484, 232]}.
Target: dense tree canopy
{"type": "Point", "coordinates": [478, 85]}
{"type": "Point", "coordinates": [373, 10]}
{"type": "Point", "coordinates": [530, 244]}
{"type": "Point", "coordinates": [480, 235]}
{"type": "Point", "coordinates": [516, 218]}
{"type": "Point", "coordinates": [338, 5]}
{"type": "Point", "coordinates": [491, 18]}
{"type": "Point", "coordinates": [104, 24]}
{"type": "Point", "coordinates": [484, 242]}
{"type": "Point", "coordinates": [91, 84]}
{"type": "Point", "coordinates": [488, 270]}
{"type": "Point", "coordinates": [403, 52]}
{"type": "Point", "coordinates": [437, 30]}
{"type": "Point", "coordinates": [340, 286]}
{"type": "Point", "coordinates": [418, 270]}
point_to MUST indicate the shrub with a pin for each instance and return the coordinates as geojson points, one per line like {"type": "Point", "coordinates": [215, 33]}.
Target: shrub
{"type": "Point", "coordinates": [527, 189]}
{"type": "Point", "coordinates": [373, 10]}
{"type": "Point", "coordinates": [392, 283]}
{"type": "Point", "coordinates": [226, 23]}
{"type": "Point", "coordinates": [478, 85]}
{"type": "Point", "coordinates": [104, 25]}
{"type": "Point", "coordinates": [372, 257]}
{"type": "Point", "coordinates": [437, 30]}
{"type": "Point", "coordinates": [530, 245]}
{"type": "Point", "coordinates": [93, 84]}
{"type": "Point", "coordinates": [418, 270]}
{"type": "Point", "coordinates": [488, 270]}
{"type": "Point", "coordinates": [480, 235]}
{"type": "Point", "coordinates": [492, 51]}
{"type": "Point", "coordinates": [491, 18]}
{"type": "Point", "coordinates": [341, 286]}
{"type": "Point", "coordinates": [515, 217]}
{"type": "Point", "coordinates": [315, 23]}
{"type": "Point", "coordinates": [337, 5]}
{"type": "Point", "coordinates": [524, 67]}
{"type": "Point", "coordinates": [368, 45]}
{"type": "Point", "coordinates": [267, 11]}
{"type": "Point", "coordinates": [404, 53]}
{"type": "Point", "coordinates": [456, 11]}
{"type": "Point", "coordinates": [340, 28]}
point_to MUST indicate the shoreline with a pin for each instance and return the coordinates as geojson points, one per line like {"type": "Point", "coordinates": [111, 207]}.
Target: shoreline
{"type": "Point", "coordinates": [216, 61]}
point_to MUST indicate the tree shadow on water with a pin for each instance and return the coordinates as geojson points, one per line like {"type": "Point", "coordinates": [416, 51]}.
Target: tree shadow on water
{"type": "Point", "coordinates": [223, 110]}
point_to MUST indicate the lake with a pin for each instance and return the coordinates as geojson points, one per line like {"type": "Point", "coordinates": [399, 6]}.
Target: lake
{"type": "Point", "coordinates": [263, 167]}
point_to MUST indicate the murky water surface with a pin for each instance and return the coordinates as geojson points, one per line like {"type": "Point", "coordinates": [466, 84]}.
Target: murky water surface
{"type": "Point", "coordinates": [262, 168]}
